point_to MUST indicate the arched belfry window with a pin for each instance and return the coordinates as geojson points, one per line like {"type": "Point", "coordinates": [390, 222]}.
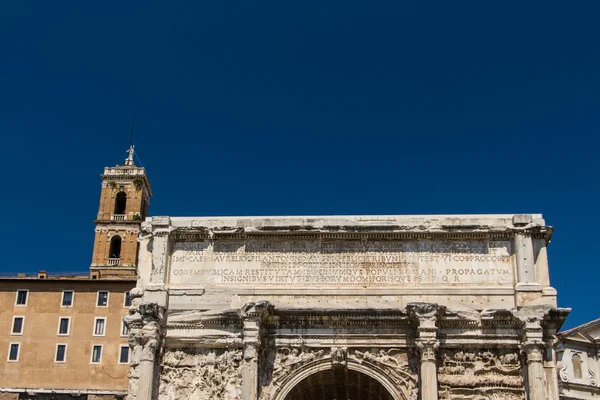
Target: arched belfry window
{"type": "Point", "coordinates": [576, 360]}
{"type": "Point", "coordinates": [120, 203]}
{"type": "Point", "coordinates": [115, 247]}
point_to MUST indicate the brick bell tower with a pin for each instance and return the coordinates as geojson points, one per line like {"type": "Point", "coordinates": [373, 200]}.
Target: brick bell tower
{"type": "Point", "coordinates": [124, 202]}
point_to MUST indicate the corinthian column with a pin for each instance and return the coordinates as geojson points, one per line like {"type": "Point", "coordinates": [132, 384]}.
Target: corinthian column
{"type": "Point", "coordinates": [427, 315]}
{"type": "Point", "coordinates": [550, 372]}
{"type": "Point", "coordinates": [535, 369]}
{"type": "Point", "coordinates": [134, 323]}
{"type": "Point", "coordinates": [428, 376]}
{"type": "Point", "coordinates": [252, 315]}
{"type": "Point", "coordinates": [532, 346]}
{"type": "Point", "coordinates": [149, 338]}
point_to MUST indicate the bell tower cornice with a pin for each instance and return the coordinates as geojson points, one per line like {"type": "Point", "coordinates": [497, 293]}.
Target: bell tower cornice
{"type": "Point", "coordinates": [131, 173]}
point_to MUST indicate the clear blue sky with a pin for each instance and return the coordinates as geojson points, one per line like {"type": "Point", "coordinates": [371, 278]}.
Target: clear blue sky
{"type": "Point", "coordinates": [271, 107]}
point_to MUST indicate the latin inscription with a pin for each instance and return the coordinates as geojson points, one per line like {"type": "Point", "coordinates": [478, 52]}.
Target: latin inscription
{"type": "Point", "coordinates": [342, 263]}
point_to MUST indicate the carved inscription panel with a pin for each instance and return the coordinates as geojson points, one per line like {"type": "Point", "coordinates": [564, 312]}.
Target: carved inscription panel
{"type": "Point", "coordinates": [267, 263]}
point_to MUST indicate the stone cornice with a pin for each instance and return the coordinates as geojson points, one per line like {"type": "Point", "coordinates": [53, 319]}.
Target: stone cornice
{"type": "Point", "coordinates": [320, 318]}
{"type": "Point", "coordinates": [492, 227]}
{"type": "Point", "coordinates": [185, 235]}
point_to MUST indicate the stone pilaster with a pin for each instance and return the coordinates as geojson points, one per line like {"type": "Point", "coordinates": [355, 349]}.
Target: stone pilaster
{"type": "Point", "coordinates": [525, 258]}
{"type": "Point", "coordinates": [527, 287]}
{"type": "Point", "coordinates": [252, 315]}
{"type": "Point", "coordinates": [427, 344]}
{"type": "Point", "coordinates": [161, 228]}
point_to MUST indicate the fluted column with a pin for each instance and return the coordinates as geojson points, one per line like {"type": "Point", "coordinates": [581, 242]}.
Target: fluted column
{"type": "Point", "coordinates": [252, 315]}
{"type": "Point", "coordinates": [427, 343]}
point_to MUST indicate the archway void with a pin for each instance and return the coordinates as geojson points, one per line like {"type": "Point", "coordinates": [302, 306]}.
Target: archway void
{"type": "Point", "coordinates": [339, 384]}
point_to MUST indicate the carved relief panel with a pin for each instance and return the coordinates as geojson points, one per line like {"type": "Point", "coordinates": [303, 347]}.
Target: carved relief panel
{"type": "Point", "coordinates": [201, 374]}
{"type": "Point", "coordinates": [397, 364]}
{"type": "Point", "coordinates": [490, 374]}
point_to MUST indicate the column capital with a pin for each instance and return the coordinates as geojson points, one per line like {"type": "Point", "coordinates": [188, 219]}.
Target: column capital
{"type": "Point", "coordinates": [534, 351]}
{"type": "Point", "coordinates": [427, 348]}
{"type": "Point", "coordinates": [150, 312]}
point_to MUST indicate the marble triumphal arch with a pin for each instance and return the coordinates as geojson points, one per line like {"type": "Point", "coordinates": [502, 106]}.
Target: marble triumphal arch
{"type": "Point", "coordinates": [344, 307]}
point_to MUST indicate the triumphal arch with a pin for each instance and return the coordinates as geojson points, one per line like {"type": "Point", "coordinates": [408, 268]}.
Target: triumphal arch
{"type": "Point", "coordinates": [344, 307]}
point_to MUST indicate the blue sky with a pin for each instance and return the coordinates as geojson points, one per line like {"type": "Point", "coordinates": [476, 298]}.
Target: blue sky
{"type": "Point", "coordinates": [269, 108]}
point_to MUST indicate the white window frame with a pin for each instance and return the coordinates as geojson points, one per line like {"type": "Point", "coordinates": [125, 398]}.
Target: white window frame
{"type": "Point", "coordinates": [104, 328]}
{"type": "Point", "coordinates": [98, 297]}
{"type": "Point", "coordinates": [18, 352]}
{"type": "Point", "coordinates": [56, 353]}
{"type": "Point", "coordinates": [68, 326]}
{"type": "Point", "coordinates": [12, 325]}
{"type": "Point", "coordinates": [123, 327]}
{"type": "Point", "coordinates": [128, 354]}
{"type": "Point", "coordinates": [72, 299]}
{"type": "Point", "coordinates": [17, 297]}
{"type": "Point", "coordinates": [92, 354]}
{"type": "Point", "coordinates": [125, 299]}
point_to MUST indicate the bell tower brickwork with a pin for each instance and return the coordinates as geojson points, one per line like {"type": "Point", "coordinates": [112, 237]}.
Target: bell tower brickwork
{"type": "Point", "coordinates": [124, 201]}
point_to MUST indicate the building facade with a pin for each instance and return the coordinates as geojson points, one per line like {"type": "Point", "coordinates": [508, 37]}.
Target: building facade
{"type": "Point", "coordinates": [347, 307]}
{"type": "Point", "coordinates": [63, 336]}
{"type": "Point", "coordinates": [578, 354]}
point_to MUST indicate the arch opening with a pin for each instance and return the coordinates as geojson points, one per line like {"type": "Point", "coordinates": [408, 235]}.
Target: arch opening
{"type": "Point", "coordinates": [339, 384]}
{"type": "Point", "coordinates": [115, 247]}
{"type": "Point", "coordinates": [120, 203]}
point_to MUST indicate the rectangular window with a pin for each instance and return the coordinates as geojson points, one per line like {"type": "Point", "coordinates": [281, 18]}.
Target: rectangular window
{"type": "Point", "coordinates": [96, 354]}
{"type": "Point", "coordinates": [13, 352]}
{"type": "Point", "coordinates": [64, 325]}
{"type": "Point", "coordinates": [99, 325]}
{"type": "Point", "coordinates": [61, 353]}
{"type": "Point", "coordinates": [22, 297]}
{"type": "Point", "coordinates": [17, 326]}
{"type": "Point", "coordinates": [127, 302]}
{"type": "Point", "coordinates": [124, 330]}
{"type": "Point", "coordinates": [67, 298]}
{"type": "Point", "coordinates": [124, 355]}
{"type": "Point", "coordinates": [102, 299]}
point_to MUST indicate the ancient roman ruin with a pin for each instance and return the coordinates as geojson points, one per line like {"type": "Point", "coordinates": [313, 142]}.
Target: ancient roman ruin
{"type": "Point", "coordinates": [344, 307]}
